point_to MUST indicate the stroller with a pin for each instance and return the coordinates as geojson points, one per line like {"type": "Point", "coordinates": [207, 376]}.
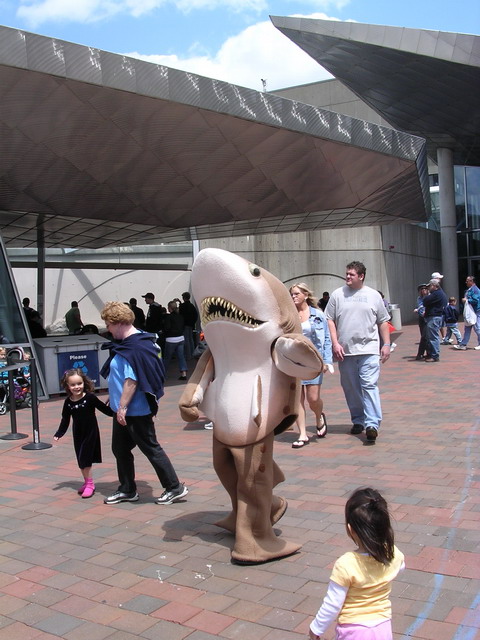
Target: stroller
{"type": "Point", "coordinates": [21, 389]}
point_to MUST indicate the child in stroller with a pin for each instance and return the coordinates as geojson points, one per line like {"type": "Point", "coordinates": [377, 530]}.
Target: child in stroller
{"type": "Point", "coordinates": [22, 394]}
{"type": "Point", "coordinates": [21, 386]}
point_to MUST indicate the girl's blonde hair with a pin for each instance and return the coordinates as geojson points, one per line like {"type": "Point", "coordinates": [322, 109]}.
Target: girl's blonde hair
{"type": "Point", "coordinates": [304, 288]}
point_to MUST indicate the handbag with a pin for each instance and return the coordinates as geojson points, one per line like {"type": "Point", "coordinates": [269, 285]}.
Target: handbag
{"type": "Point", "coordinates": [469, 315]}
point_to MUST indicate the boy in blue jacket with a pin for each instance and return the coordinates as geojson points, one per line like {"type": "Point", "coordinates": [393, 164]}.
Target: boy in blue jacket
{"type": "Point", "coordinates": [451, 321]}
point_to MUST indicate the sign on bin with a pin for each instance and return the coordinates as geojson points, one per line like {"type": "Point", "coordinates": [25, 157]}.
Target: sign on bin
{"type": "Point", "coordinates": [87, 361]}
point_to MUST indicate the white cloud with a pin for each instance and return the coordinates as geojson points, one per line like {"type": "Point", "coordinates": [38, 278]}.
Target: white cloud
{"type": "Point", "coordinates": [37, 12]}
{"type": "Point", "coordinates": [260, 51]}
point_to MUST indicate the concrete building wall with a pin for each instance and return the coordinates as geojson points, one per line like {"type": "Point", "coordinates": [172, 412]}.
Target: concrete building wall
{"type": "Point", "coordinates": [93, 287]}
{"type": "Point", "coordinates": [334, 96]}
{"type": "Point", "coordinates": [107, 274]}
{"type": "Point", "coordinates": [397, 257]}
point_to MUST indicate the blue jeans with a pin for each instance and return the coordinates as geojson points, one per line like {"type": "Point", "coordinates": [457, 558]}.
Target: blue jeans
{"type": "Point", "coordinates": [359, 379]}
{"type": "Point", "coordinates": [433, 336]}
{"type": "Point", "coordinates": [453, 329]}
{"type": "Point", "coordinates": [468, 331]}
{"type": "Point", "coordinates": [189, 344]}
{"type": "Point", "coordinates": [179, 349]}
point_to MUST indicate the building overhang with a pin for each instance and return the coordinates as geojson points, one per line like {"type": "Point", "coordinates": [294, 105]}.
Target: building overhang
{"type": "Point", "coordinates": [99, 149]}
{"type": "Point", "coordinates": [424, 82]}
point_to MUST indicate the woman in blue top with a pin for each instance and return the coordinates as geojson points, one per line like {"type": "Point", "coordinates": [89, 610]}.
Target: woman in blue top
{"type": "Point", "coordinates": [314, 327]}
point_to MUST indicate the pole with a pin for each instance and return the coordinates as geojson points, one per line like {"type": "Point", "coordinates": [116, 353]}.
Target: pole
{"type": "Point", "coordinates": [13, 435]}
{"type": "Point", "coordinates": [36, 444]}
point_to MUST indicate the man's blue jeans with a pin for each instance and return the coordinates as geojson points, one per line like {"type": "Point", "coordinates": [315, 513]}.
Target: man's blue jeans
{"type": "Point", "coordinates": [178, 349]}
{"type": "Point", "coordinates": [468, 331]}
{"type": "Point", "coordinates": [189, 344]}
{"type": "Point", "coordinates": [433, 336]}
{"type": "Point", "coordinates": [359, 379]}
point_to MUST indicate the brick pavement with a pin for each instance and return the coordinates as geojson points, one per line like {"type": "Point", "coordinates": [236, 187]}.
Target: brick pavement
{"type": "Point", "coordinates": [78, 569]}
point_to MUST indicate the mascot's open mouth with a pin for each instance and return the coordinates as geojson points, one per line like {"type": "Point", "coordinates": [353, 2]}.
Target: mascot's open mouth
{"type": "Point", "coordinates": [215, 308]}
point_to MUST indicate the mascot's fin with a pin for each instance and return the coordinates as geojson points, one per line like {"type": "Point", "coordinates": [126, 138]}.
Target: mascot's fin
{"type": "Point", "coordinates": [296, 356]}
{"type": "Point", "coordinates": [195, 388]}
{"type": "Point", "coordinates": [257, 401]}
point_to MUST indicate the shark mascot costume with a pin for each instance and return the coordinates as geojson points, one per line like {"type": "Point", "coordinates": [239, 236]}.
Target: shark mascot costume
{"type": "Point", "coordinates": [247, 383]}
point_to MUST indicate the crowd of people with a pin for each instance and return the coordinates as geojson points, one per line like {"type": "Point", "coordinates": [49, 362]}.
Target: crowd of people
{"type": "Point", "coordinates": [438, 317]}
{"type": "Point", "coordinates": [350, 327]}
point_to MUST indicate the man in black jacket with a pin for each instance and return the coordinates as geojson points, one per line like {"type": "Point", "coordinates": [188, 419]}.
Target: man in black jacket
{"type": "Point", "coordinates": [154, 320]}
{"type": "Point", "coordinates": [434, 303]}
{"type": "Point", "coordinates": [190, 316]}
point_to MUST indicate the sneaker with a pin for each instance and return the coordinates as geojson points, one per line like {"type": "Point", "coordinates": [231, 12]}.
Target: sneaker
{"type": "Point", "coordinates": [371, 434]}
{"type": "Point", "coordinates": [477, 348]}
{"type": "Point", "coordinates": [460, 347]}
{"type": "Point", "coordinates": [451, 340]}
{"type": "Point", "coordinates": [208, 425]}
{"type": "Point", "coordinates": [168, 497]}
{"type": "Point", "coordinates": [119, 496]}
{"type": "Point", "coordinates": [357, 428]}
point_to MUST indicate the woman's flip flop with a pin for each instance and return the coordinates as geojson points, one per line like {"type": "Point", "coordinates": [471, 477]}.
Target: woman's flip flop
{"type": "Point", "coordinates": [298, 444]}
{"type": "Point", "coordinates": [322, 431]}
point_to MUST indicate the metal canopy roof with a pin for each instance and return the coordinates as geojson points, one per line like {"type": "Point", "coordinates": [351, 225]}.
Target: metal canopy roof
{"type": "Point", "coordinates": [99, 149]}
{"type": "Point", "coordinates": [423, 82]}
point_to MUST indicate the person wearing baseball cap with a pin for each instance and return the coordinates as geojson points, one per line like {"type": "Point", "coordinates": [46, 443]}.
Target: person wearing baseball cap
{"type": "Point", "coordinates": [154, 321]}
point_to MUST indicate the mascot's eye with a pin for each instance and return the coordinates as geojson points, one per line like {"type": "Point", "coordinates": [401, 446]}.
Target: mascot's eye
{"type": "Point", "coordinates": [254, 270]}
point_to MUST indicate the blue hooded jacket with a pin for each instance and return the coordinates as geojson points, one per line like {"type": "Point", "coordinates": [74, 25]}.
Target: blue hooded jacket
{"type": "Point", "coordinates": [145, 358]}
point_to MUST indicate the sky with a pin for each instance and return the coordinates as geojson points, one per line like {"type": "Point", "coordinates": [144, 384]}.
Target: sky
{"type": "Point", "coordinates": [231, 40]}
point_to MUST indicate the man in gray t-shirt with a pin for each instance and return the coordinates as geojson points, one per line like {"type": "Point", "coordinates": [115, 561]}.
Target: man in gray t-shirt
{"type": "Point", "coordinates": [356, 318]}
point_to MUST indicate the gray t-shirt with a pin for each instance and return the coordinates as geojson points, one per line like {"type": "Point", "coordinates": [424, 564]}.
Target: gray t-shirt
{"type": "Point", "coordinates": [357, 314]}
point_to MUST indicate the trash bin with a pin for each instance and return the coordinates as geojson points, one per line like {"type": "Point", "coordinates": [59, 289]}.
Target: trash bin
{"type": "Point", "coordinates": [396, 316]}
{"type": "Point", "coordinates": [59, 353]}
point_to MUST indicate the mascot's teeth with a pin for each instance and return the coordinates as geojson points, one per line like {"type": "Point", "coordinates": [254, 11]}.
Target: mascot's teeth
{"type": "Point", "coordinates": [215, 308]}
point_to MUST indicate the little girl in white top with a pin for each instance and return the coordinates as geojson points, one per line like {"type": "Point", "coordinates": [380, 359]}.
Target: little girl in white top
{"type": "Point", "coordinates": [360, 583]}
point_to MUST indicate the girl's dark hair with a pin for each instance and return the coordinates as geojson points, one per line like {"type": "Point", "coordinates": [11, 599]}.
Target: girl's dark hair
{"type": "Point", "coordinates": [88, 384]}
{"type": "Point", "coordinates": [366, 512]}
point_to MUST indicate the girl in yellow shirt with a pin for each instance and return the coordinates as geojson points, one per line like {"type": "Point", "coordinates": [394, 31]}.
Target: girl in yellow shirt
{"type": "Point", "coordinates": [360, 583]}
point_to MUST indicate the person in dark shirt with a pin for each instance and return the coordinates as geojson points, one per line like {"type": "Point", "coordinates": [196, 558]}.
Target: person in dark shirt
{"type": "Point", "coordinates": [153, 322]}
{"type": "Point", "coordinates": [139, 322]}
{"type": "Point", "coordinates": [322, 303]}
{"type": "Point", "coordinates": [174, 339]}
{"type": "Point", "coordinates": [451, 320]}
{"type": "Point", "coordinates": [434, 303]}
{"type": "Point", "coordinates": [190, 316]}
{"type": "Point", "coordinates": [34, 320]}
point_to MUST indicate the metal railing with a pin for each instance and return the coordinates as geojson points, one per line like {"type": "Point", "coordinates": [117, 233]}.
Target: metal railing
{"type": "Point", "coordinates": [14, 435]}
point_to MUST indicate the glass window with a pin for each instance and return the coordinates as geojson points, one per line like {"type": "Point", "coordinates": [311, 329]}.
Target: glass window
{"type": "Point", "coordinates": [462, 246]}
{"type": "Point", "coordinates": [474, 242]}
{"type": "Point", "coordinates": [12, 327]}
{"type": "Point", "coordinates": [459, 179]}
{"type": "Point", "coordinates": [472, 182]}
